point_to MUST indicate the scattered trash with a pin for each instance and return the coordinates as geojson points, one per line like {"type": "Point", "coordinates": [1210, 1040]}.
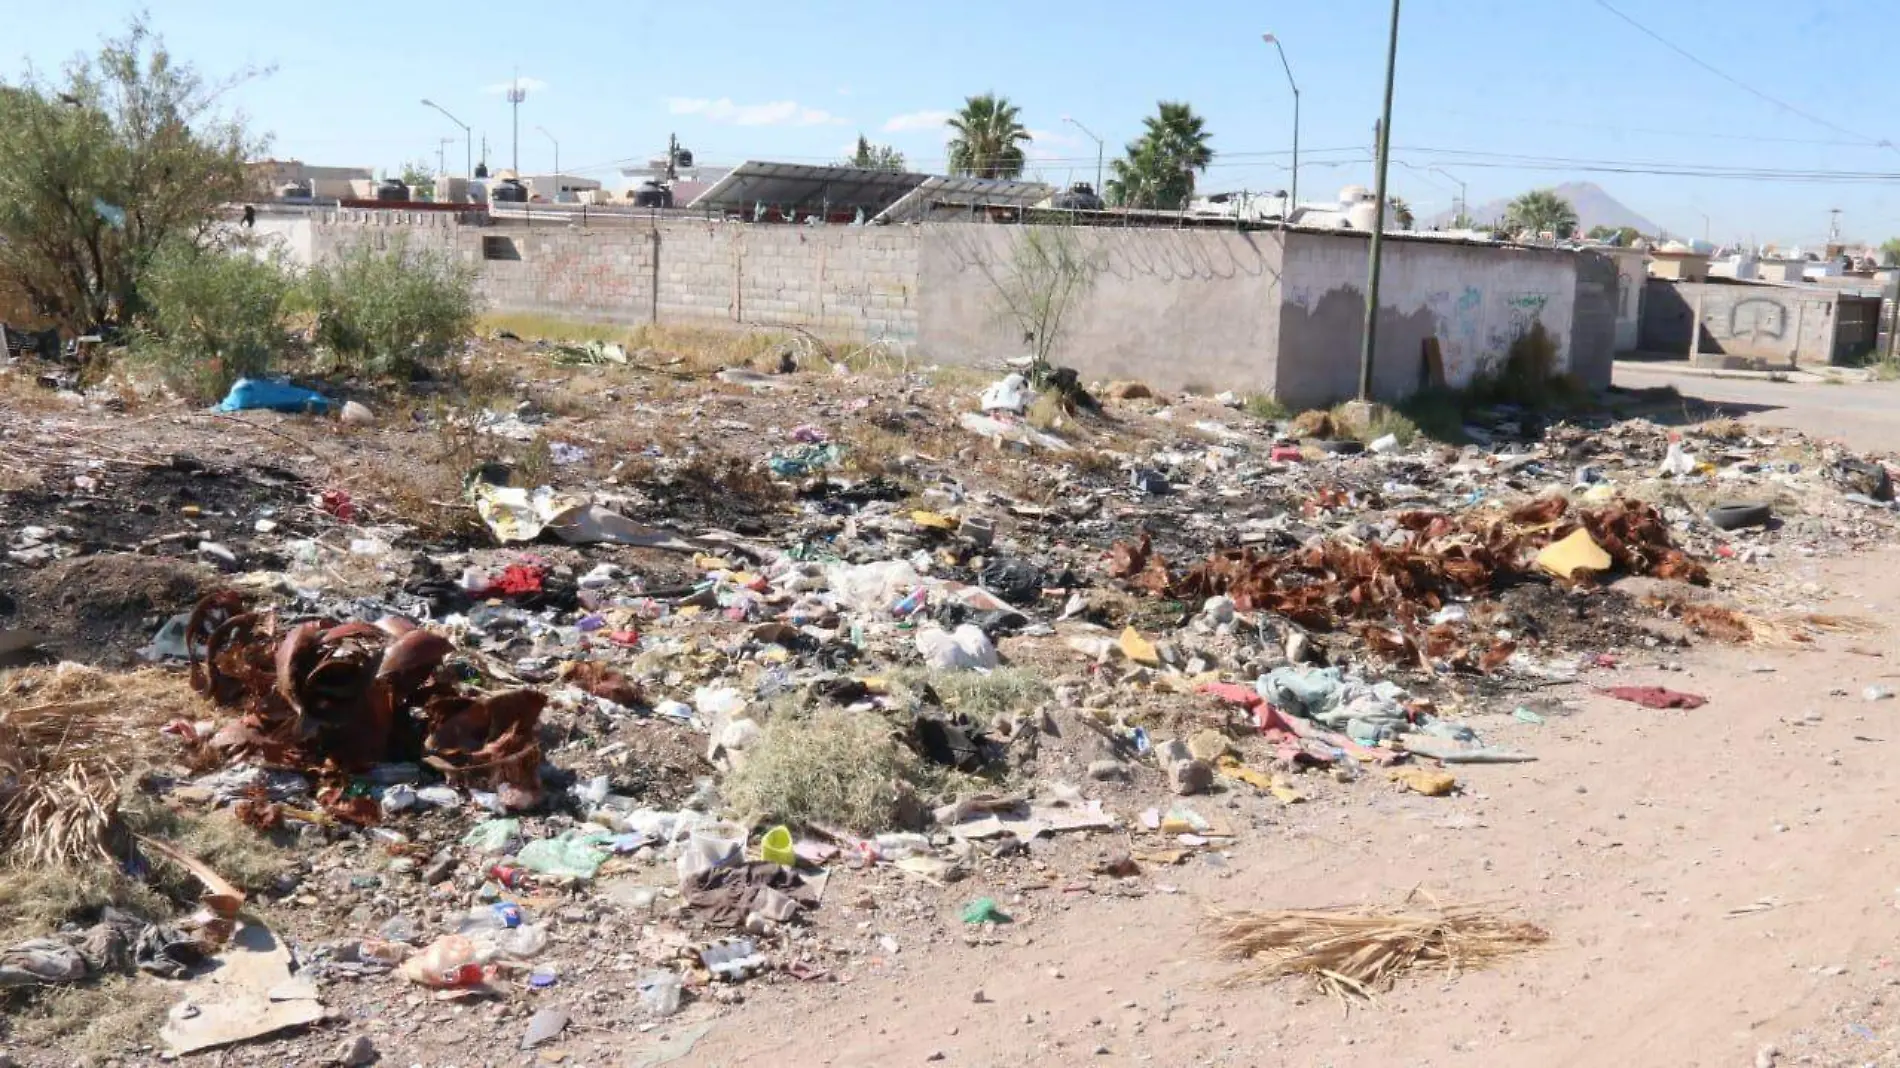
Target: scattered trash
{"type": "Point", "coordinates": [983, 910]}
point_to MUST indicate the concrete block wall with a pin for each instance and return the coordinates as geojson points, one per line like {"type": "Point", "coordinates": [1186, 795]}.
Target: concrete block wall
{"type": "Point", "coordinates": [845, 283]}
{"type": "Point", "coordinates": [1174, 308]}
{"type": "Point", "coordinates": [1474, 299]}
{"type": "Point", "coordinates": [1266, 311]}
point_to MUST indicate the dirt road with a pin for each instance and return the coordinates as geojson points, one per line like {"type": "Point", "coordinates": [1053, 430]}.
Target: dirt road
{"type": "Point", "coordinates": [1866, 416]}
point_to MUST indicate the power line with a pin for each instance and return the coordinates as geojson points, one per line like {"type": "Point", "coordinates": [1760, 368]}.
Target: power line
{"type": "Point", "coordinates": [1737, 82]}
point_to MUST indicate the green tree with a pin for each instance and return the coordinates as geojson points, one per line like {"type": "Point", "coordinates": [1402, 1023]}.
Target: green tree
{"type": "Point", "coordinates": [1159, 168]}
{"type": "Point", "coordinates": [419, 177]}
{"type": "Point", "coordinates": [1890, 250]}
{"type": "Point", "coordinates": [872, 157]}
{"type": "Point", "coordinates": [989, 138]}
{"type": "Point", "coordinates": [1542, 210]}
{"type": "Point", "coordinates": [1399, 212]}
{"type": "Point", "coordinates": [1625, 236]}
{"type": "Point", "coordinates": [126, 154]}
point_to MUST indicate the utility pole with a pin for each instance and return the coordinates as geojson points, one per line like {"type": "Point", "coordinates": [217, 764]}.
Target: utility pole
{"type": "Point", "coordinates": [672, 157]}
{"type": "Point", "coordinates": [441, 154]}
{"type": "Point", "coordinates": [516, 94]}
{"type": "Point", "coordinates": [1071, 120]}
{"type": "Point", "coordinates": [1367, 343]}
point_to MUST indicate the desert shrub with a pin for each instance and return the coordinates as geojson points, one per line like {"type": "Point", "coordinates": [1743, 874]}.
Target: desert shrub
{"type": "Point", "coordinates": [394, 311]}
{"type": "Point", "coordinates": [214, 316]}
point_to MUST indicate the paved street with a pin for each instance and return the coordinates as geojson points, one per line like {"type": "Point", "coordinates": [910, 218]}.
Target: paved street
{"type": "Point", "coordinates": [1866, 416]}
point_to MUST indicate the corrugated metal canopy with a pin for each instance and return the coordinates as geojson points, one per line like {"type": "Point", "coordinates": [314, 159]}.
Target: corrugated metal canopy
{"type": "Point", "coordinates": [806, 189]}
{"type": "Point", "coordinates": [938, 197]}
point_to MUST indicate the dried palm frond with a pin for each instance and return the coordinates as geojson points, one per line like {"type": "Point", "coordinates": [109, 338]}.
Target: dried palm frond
{"type": "Point", "coordinates": [1354, 951]}
{"type": "Point", "coordinates": [1741, 627]}
{"type": "Point", "coordinates": [69, 738]}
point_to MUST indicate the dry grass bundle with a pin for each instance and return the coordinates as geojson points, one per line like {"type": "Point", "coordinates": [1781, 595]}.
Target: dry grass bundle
{"type": "Point", "coordinates": [1353, 951]}
{"type": "Point", "coordinates": [69, 738]}
{"type": "Point", "coordinates": [1784, 632]}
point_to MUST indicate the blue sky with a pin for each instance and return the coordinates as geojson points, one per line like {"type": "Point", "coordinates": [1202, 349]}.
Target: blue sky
{"type": "Point", "coordinates": [1514, 80]}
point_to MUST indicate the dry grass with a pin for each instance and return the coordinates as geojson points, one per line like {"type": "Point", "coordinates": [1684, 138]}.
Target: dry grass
{"type": "Point", "coordinates": [70, 737]}
{"type": "Point", "coordinates": [96, 1022]}
{"type": "Point", "coordinates": [982, 696]}
{"type": "Point", "coordinates": [1353, 952]}
{"type": "Point", "coordinates": [830, 768]}
{"type": "Point", "coordinates": [1047, 412]}
{"type": "Point", "coordinates": [34, 901]}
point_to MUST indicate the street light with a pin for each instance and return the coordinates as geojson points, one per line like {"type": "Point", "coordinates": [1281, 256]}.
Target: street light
{"type": "Point", "coordinates": [516, 94]}
{"type": "Point", "coordinates": [1098, 151]}
{"type": "Point", "coordinates": [468, 148]}
{"type": "Point", "coordinates": [1378, 217]}
{"type": "Point", "coordinates": [1293, 195]}
{"type": "Point", "coordinates": [1464, 206]}
{"type": "Point", "coordinates": [557, 162]}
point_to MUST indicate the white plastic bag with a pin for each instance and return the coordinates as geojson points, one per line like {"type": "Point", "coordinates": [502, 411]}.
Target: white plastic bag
{"type": "Point", "coordinates": [963, 649]}
{"type": "Point", "coordinates": [1007, 394]}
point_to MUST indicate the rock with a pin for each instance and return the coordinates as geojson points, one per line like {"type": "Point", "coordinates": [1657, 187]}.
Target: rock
{"type": "Point", "coordinates": [1189, 777]}
{"type": "Point", "coordinates": [1107, 770]}
{"type": "Point", "coordinates": [1128, 390]}
{"type": "Point", "coordinates": [1208, 745]}
{"type": "Point", "coordinates": [979, 998]}
{"type": "Point", "coordinates": [356, 1052]}
{"type": "Point", "coordinates": [355, 414]}
{"type": "Point", "coordinates": [1765, 1057]}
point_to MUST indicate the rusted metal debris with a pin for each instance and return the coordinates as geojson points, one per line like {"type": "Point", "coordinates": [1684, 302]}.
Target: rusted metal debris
{"type": "Point", "coordinates": [331, 699]}
{"type": "Point", "coordinates": [1388, 594]}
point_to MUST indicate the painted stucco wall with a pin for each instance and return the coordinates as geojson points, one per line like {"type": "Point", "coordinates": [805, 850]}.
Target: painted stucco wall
{"type": "Point", "coordinates": [1475, 300]}
{"type": "Point", "coordinates": [1174, 308]}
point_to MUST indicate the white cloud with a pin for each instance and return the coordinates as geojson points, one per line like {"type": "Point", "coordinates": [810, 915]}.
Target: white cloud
{"type": "Point", "coordinates": [918, 120]}
{"type": "Point", "coordinates": [532, 85]}
{"type": "Point", "coordinates": [776, 113]}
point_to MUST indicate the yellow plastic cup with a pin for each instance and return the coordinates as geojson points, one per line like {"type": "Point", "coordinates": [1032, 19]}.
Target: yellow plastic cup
{"type": "Point", "coordinates": [776, 847]}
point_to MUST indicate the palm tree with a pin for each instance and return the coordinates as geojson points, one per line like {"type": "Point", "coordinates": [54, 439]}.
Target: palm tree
{"type": "Point", "coordinates": [1159, 169]}
{"type": "Point", "coordinates": [1540, 210]}
{"type": "Point", "coordinates": [1400, 211]}
{"type": "Point", "coordinates": [989, 138]}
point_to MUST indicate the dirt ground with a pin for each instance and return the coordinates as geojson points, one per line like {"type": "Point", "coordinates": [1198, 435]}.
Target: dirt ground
{"type": "Point", "coordinates": [1718, 884]}
{"type": "Point", "coordinates": [1632, 839]}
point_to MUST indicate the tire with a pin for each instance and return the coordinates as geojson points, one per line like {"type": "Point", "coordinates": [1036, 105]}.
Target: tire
{"type": "Point", "coordinates": [1740, 514]}
{"type": "Point", "coordinates": [1342, 447]}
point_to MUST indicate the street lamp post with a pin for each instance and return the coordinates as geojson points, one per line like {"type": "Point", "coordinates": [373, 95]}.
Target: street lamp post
{"type": "Point", "coordinates": [1098, 150]}
{"type": "Point", "coordinates": [1378, 216]}
{"type": "Point", "coordinates": [468, 147]}
{"type": "Point", "coordinates": [557, 161]}
{"type": "Point", "coordinates": [1293, 194]}
{"type": "Point", "coordinates": [1464, 205]}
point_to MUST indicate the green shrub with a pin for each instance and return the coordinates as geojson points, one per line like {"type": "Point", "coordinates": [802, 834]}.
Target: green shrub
{"type": "Point", "coordinates": [392, 312]}
{"type": "Point", "coordinates": [831, 767]}
{"type": "Point", "coordinates": [214, 316]}
{"type": "Point", "coordinates": [1267, 408]}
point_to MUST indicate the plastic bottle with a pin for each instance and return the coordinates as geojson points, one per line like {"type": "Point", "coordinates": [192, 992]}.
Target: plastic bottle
{"type": "Point", "coordinates": [500, 916]}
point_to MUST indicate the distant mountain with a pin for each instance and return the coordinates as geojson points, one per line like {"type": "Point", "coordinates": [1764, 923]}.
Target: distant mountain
{"type": "Point", "coordinates": [1594, 208]}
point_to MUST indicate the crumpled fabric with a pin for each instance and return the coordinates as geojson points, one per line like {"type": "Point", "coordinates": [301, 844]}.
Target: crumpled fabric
{"type": "Point", "coordinates": [1368, 713]}
{"type": "Point", "coordinates": [119, 942]}
{"type": "Point", "coordinates": [725, 896]}
{"type": "Point", "coordinates": [1655, 696]}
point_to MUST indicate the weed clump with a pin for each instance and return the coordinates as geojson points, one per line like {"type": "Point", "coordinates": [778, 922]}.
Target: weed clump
{"type": "Point", "coordinates": [831, 768]}
{"type": "Point", "coordinates": [393, 312]}
{"type": "Point", "coordinates": [213, 316]}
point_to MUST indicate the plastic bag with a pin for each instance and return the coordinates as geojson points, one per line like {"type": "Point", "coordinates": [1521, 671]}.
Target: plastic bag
{"type": "Point", "coordinates": [574, 855]}
{"type": "Point", "coordinates": [1007, 394]}
{"type": "Point", "coordinates": [965, 648]}
{"type": "Point", "coordinates": [449, 962]}
{"type": "Point", "coordinates": [251, 393]}
{"type": "Point", "coordinates": [874, 586]}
